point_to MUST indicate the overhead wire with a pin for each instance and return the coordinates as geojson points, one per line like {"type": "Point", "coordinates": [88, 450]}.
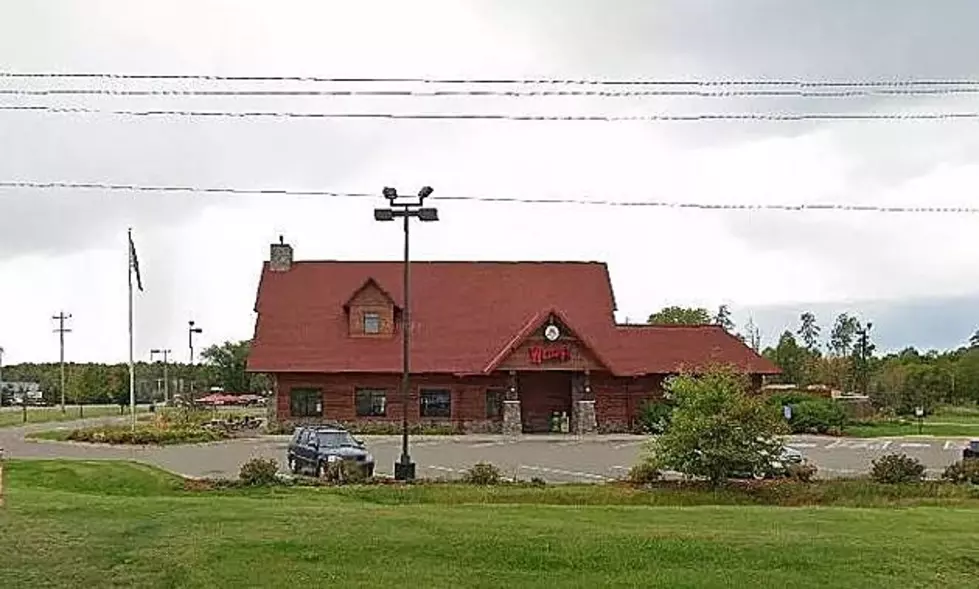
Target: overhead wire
{"type": "Point", "coordinates": [784, 117]}
{"type": "Point", "coordinates": [501, 81]}
{"type": "Point", "coordinates": [785, 207]}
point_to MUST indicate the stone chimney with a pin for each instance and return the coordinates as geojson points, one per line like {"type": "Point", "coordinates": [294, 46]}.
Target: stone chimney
{"type": "Point", "coordinates": [280, 256]}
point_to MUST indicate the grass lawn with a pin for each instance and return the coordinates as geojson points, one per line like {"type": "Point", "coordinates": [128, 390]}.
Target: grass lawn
{"type": "Point", "coordinates": [10, 416]}
{"type": "Point", "coordinates": [950, 422]}
{"type": "Point", "coordinates": [105, 524]}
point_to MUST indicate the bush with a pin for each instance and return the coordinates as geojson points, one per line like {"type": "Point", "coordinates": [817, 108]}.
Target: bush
{"type": "Point", "coordinates": [718, 430]}
{"type": "Point", "coordinates": [897, 468]}
{"type": "Point", "coordinates": [654, 416]}
{"type": "Point", "coordinates": [482, 473]}
{"type": "Point", "coordinates": [345, 472]}
{"type": "Point", "coordinates": [963, 471]}
{"type": "Point", "coordinates": [803, 473]}
{"type": "Point", "coordinates": [146, 434]}
{"type": "Point", "coordinates": [259, 472]}
{"type": "Point", "coordinates": [811, 414]}
{"type": "Point", "coordinates": [644, 473]}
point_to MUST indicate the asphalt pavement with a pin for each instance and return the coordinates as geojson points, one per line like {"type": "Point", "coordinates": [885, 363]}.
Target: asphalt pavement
{"type": "Point", "coordinates": [554, 458]}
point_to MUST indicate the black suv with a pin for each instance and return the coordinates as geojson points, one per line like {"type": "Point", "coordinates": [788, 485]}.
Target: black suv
{"type": "Point", "coordinates": [313, 447]}
{"type": "Point", "coordinates": [971, 451]}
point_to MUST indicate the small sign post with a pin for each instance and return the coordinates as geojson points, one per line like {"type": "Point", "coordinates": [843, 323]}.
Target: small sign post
{"type": "Point", "coordinates": [787, 412]}
{"type": "Point", "coordinates": [1, 477]}
{"type": "Point", "coordinates": [919, 412]}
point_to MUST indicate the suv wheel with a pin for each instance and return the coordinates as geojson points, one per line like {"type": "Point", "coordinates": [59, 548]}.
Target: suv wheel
{"type": "Point", "coordinates": [319, 470]}
{"type": "Point", "coordinates": [294, 466]}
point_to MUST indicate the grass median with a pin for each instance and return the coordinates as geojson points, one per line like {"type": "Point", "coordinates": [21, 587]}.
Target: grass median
{"type": "Point", "coordinates": [11, 417]}
{"type": "Point", "coordinates": [106, 524]}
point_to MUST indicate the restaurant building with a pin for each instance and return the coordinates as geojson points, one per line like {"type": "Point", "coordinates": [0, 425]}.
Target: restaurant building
{"type": "Point", "coordinates": [495, 346]}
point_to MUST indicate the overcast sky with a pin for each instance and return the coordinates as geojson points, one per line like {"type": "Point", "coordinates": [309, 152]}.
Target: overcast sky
{"type": "Point", "coordinates": [914, 276]}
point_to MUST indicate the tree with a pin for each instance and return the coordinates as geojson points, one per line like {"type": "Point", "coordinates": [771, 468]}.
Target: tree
{"type": "Point", "coordinates": [752, 335]}
{"type": "Point", "coordinates": [718, 429]}
{"type": "Point", "coordinates": [680, 316]}
{"type": "Point", "coordinates": [843, 334]}
{"type": "Point", "coordinates": [723, 319]}
{"type": "Point", "coordinates": [788, 356]}
{"type": "Point", "coordinates": [974, 340]}
{"type": "Point", "coordinates": [226, 364]}
{"type": "Point", "coordinates": [809, 332]}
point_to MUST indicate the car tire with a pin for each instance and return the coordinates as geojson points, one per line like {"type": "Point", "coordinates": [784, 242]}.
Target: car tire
{"type": "Point", "coordinates": [370, 470]}
{"type": "Point", "coordinates": [319, 470]}
{"type": "Point", "coordinates": [294, 466]}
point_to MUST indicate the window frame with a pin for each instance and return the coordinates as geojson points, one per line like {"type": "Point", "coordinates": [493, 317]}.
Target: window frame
{"type": "Point", "coordinates": [373, 316]}
{"type": "Point", "coordinates": [313, 397]}
{"type": "Point", "coordinates": [500, 393]}
{"type": "Point", "coordinates": [429, 391]}
{"type": "Point", "coordinates": [374, 393]}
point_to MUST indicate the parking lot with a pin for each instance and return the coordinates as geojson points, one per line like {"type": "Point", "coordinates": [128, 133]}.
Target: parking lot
{"type": "Point", "coordinates": [554, 458]}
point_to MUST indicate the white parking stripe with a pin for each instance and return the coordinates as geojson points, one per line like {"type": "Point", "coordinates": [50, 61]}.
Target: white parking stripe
{"type": "Point", "coordinates": [803, 445]}
{"type": "Point", "coordinates": [582, 475]}
{"type": "Point", "coordinates": [915, 445]}
{"type": "Point", "coordinates": [885, 445]}
{"type": "Point", "coordinates": [949, 445]}
{"type": "Point", "coordinates": [628, 445]}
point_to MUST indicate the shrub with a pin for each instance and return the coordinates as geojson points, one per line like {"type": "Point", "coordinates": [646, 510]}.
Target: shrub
{"type": "Point", "coordinates": [482, 473]}
{"type": "Point", "coordinates": [963, 471]}
{"type": "Point", "coordinates": [344, 472]}
{"type": "Point", "coordinates": [259, 472]}
{"type": "Point", "coordinates": [718, 430]}
{"type": "Point", "coordinates": [803, 473]}
{"type": "Point", "coordinates": [146, 434]}
{"type": "Point", "coordinates": [811, 414]}
{"type": "Point", "coordinates": [538, 482]}
{"type": "Point", "coordinates": [654, 416]}
{"type": "Point", "coordinates": [644, 473]}
{"type": "Point", "coordinates": [896, 469]}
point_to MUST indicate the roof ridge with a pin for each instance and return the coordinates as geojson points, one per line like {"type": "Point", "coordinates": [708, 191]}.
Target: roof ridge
{"type": "Point", "coordinates": [453, 262]}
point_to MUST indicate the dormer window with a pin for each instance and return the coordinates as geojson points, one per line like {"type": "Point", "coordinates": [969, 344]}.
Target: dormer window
{"type": "Point", "coordinates": [372, 323]}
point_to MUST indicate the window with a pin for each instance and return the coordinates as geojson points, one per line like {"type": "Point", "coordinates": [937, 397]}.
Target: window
{"type": "Point", "coordinates": [436, 403]}
{"type": "Point", "coordinates": [306, 402]}
{"type": "Point", "coordinates": [372, 323]}
{"type": "Point", "coordinates": [370, 402]}
{"type": "Point", "coordinates": [494, 403]}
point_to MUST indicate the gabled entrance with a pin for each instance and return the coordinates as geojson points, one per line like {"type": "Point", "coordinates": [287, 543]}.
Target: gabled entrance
{"type": "Point", "coordinates": [548, 362]}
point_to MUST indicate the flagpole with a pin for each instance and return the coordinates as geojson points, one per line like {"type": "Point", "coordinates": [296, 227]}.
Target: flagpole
{"type": "Point", "coordinates": [132, 373]}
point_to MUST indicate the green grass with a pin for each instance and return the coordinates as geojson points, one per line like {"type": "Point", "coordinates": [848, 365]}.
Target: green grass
{"type": "Point", "coordinates": [105, 524]}
{"type": "Point", "coordinates": [13, 417]}
{"type": "Point", "coordinates": [950, 421]}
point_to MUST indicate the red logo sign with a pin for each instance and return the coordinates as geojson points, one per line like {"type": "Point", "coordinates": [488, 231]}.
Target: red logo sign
{"type": "Point", "coordinates": [539, 355]}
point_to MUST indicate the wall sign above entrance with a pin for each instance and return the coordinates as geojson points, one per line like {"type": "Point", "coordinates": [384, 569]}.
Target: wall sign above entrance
{"type": "Point", "coordinates": [539, 355]}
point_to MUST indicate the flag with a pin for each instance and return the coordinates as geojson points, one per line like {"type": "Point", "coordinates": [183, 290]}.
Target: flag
{"type": "Point", "coordinates": [134, 263]}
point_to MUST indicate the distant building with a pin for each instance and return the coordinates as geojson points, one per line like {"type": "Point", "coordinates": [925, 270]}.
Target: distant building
{"type": "Point", "coordinates": [19, 391]}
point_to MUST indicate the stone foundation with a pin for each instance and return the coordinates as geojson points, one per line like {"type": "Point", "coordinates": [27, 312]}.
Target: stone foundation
{"type": "Point", "coordinates": [512, 422]}
{"type": "Point", "coordinates": [585, 421]}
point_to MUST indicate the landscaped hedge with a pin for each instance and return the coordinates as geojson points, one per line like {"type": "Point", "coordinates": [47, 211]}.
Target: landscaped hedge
{"type": "Point", "coordinates": [145, 435]}
{"type": "Point", "coordinates": [812, 414]}
{"type": "Point", "coordinates": [379, 429]}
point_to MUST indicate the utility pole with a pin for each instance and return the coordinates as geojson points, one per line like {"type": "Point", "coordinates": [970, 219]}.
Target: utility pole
{"type": "Point", "coordinates": [1, 376]}
{"type": "Point", "coordinates": [166, 382]}
{"type": "Point", "coordinates": [404, 468]}
{"type": "Point", "coordinates": [61, 331]}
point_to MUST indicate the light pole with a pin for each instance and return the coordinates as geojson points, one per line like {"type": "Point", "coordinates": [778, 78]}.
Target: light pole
{"type": "Point", "coordinates": [191, 330]}
{"type": "Point", "coordinates": [1, 376]}
{"type": "Point", "coordinates": [404, 468]}
{"type": "Point", "coordinates": [166, 383]}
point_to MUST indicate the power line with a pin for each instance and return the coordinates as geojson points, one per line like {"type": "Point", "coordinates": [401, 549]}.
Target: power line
{"type": "Point", "coordinates": [800, 207]}
{"type": "Point", "coordinates": [861, 93]}
{"type": "Point", "coordinates": [702, 117]}
{"type": "Point", "coordinates": [501, 81]}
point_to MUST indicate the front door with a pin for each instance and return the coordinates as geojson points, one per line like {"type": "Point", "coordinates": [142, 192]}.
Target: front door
{"type": "Point", "coordinates": [542, 394]}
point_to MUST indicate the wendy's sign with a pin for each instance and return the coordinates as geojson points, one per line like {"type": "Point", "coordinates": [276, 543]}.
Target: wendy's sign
{"type": "Point", "coordinates": [539, 355]}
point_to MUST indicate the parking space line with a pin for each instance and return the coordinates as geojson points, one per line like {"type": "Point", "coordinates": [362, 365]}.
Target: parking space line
{"type": "Point", "coordinates": [885, 445]}
{"type": "Point", "coordinates": [948, 445]}
{"type": "Point", "coordinates": [583, 475]}
{"type": "Point", "coordinates": [803, 445]}
{"type": "Point", "coordinates": [628, 445]}
{"type": "Point", "coordinates": [915, 445]}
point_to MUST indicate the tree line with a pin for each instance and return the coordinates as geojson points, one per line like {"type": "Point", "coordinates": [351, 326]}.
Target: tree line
{"type": "Point", "coordinates": [222, 365]}
{"type": "Point", "coordinates": [844, 357]}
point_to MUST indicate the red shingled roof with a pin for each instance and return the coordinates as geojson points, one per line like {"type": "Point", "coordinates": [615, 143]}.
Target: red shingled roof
{"type": "Point", "coordinates": [464, 314]}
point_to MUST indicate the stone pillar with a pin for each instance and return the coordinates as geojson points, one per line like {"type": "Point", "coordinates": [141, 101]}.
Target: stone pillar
{"type": "Point", "coordinates": [583, 416]}
{"type": "Point", "coordinates": [512, 420]}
